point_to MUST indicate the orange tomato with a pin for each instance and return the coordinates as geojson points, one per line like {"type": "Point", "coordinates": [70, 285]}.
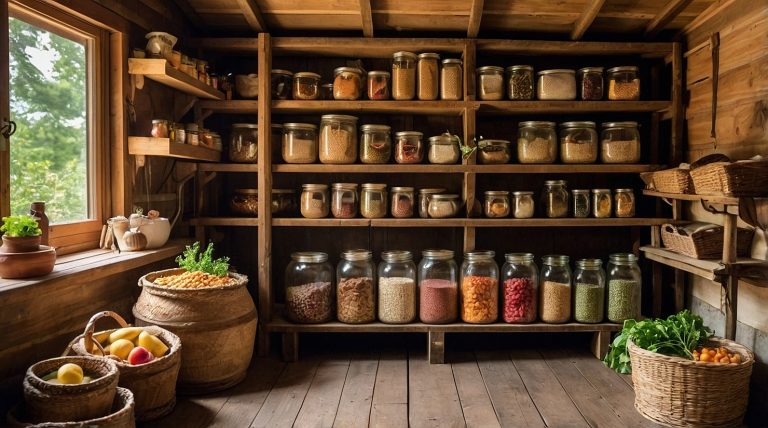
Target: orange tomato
{"type": "Point", "coordinates": [705, 357]}
{"type": "Point", "coordinates": [705, 350]}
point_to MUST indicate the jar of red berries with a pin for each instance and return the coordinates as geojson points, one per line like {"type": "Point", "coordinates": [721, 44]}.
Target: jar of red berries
{"type": "Point", "coordinates": [519, 288]}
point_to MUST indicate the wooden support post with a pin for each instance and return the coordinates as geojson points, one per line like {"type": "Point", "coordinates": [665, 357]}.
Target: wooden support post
{"type": "Point", "coordinates": [600, 342]}
{"type": "Point", "coordinates": [585, 19]}
{"type": "Point", "coordinates": [367, 18]}
{"type": "Point", "coordinates": [436, 347]}
{"type": "Point", "coordinates": [290, 347]}
{"type": "Point", "coordinates": [679, 290]}
{"type": "Point", "coordinates": [665, 16]}
{"type": "Point", "coordinates": [475, 16]}
{"type": "Point", "coordinates": [732, 282]}
{"type": "Point", "coordinates": [657, 274]}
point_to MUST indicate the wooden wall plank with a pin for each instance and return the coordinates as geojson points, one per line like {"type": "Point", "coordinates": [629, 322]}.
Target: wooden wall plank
{"type": "Point", "coordinates": [475, 18]}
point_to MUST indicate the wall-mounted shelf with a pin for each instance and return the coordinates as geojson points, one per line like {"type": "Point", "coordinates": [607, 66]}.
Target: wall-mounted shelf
{"type": "Point", "coordinates": [526, 107]}
{"type": "Point", "coordinates": [150, 146]}
{"type": "Point", "coordinates": [725, 200]}
{"type": "Point", "coordinates": [368, 169]}
{"type": "Point", "coordinates": [224, 221]}
{"type": "Point", "coordinates": [161, 71]}
{"type": "Point", "coordinates": [470, 222]}
{"type": "Point", "coordinates": [562, 168]}
{"type": "Point", "coordinates": [449, 108]}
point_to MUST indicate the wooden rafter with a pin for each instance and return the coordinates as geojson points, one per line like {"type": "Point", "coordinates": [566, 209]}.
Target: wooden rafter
{"type": "Point", "coordinates": [475, 16]}
{"type": "Point", "coordinates": [253, 15]}
{"type": "Point", "coordinates": [665, 16]}
{"type": "Point", "coordinates": [190, 13]}
{"type": "Point", "coordinates": [585, 20]}
{"type": "Point", "coordinates": [367, 17]}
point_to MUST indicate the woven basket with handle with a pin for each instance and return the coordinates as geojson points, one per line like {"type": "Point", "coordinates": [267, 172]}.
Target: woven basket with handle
{"type": "Point", "coordinates": [121, 416]}
{"type": "Point", "coordinates": [703, 240]}
{"type": "Point", "coordinates": [742, 178]}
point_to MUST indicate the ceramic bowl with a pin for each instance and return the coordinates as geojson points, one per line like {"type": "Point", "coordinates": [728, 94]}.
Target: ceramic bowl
{"type": "Point", "coordinates": [156, 230]}
{"type": "Point", "coordinates": [27, 265]}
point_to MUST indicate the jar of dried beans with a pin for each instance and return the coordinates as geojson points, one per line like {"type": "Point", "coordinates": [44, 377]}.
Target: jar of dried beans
{"type": "Point", "coordinates": [397, 287]}
{"type": "Point", "coordinates": [519, 288]}
{"type": "Point", "coordinates": [299, 143]}
{"type": "Point", "coordinates": [523, 205]}
{"type": "Point", "coordinates": [520, 82]}
{"type": "Point", "coordinates": [492, 152]}
{"type": "Point", "coordinates": [243, 143]}
{"type": "Point", "coordinates": [536, 142]}
{"type": "Point", "coordinates": [283, 202]}
{"type": "Point", "coordinates": [408, 147]}
{"type": "Point", "coordinates": [578, 142]}
{"type": "Point", "coordinates": [558, 84]}
{"type": "Point", "coordinates": [373, 200]}
{"type": "Point", "coordinates": [404, 76]}
{"type": "Point", "coordinates": [624, 288]}
{"type": "Point", "coordinates": [444, 149]}
{"type": "Point", "coordinates": [378, 85]}
{"type": "Point", "coordinates": [620, 142]}
{"type": "Point", "coordinates": [555, 289]}
{"type": "Point", "coordinates": [623, 84]}
{"type": "Point", "coordinates": [306, 86]}
{"type": "Point", "coordinates": [490, 83]}
{"type": "Point", "coordinates": [314, 201]}
{"type": "Point", "coordinates": [281, 82]}
{"type": "Point", "coordinates": [160, 128]}
{"type": "Point", "coordinates": [245, 202]}
{"type": "Point", "coordinates": [438, 287]}
{"type": "Point", "coordinates": [588, 291]}
{"type": "Point", "coordinates": [344, 200]}
{"type": "Point", "coordinates": [479, 294]}
{"type": "Point", "coordinates": [581, 203]}
{"type": "Point", "coordinates": [591, 83]}
{"type": "Point", "coordinates": [309, 288]}
{"type": "Point", "coordinates": [403, 201]}
{"type": "Point", "coordinates": [496, 204]}
{"type": "Point", "coordinates": [338, 139]}
{"type": "Point", "coordinates": [347, 83]}
{"type": "Point", "coordinates": [443, 206]}
{"type": "Point", "coordinates": [375, 144]}
{"type": "Point", "coordinates": [624, 203]}
{"type": "Point", "coordinates": [427, 82]}
{"type": "Point", "coordinates": [555, 199]}
{"type": "Point", "coordinates": [601, 203]}
{"type": "Point", "coordinates": [424, 196]}
{"type": "Point", "coordinates": [356, 288]}
{"type": "Point", "coordinates": [451, 80]}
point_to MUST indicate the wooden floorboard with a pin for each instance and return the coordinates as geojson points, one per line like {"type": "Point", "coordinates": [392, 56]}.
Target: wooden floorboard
{"type": "Point", "coordinates": [475, 402]}
{"type": "Point", "coordinates": [432, 397]}
{"type": "Point", "coordinates": [513, 405]}
{"type": "Point", "coordinates": [357, 396]}
{"type": "Point", "coordinates": [322, 399]}
{"type": "Point", "coordinates": [286, 398]}
{"type": "Point", "coordinates": [390, 392]}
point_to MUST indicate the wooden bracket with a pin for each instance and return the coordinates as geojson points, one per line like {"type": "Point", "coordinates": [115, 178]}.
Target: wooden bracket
{"type": "Point", "coordinates": [436, 347]}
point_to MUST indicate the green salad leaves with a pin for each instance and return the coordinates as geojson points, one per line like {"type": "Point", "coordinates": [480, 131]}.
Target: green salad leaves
{"type": "Point", "coordinates": [190, 261]}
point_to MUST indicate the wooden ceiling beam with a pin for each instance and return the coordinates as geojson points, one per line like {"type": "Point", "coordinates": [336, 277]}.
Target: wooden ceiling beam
{"type": "Point", "coordinates": [586, 18]}
{"type": "Point", "coordinates": [665, 16]}
{"type": "Point", "coordinates": [253, 15]}
{"type": "Point", "coordinates": [190, 13]}
{"type": "Point", "coordinates": [367, 17]}
{"type": "Point", "coordinates": [475, 17]}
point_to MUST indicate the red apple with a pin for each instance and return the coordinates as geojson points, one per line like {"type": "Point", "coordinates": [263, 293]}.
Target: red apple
{"type": "Point", "coordinates": [139, 355]}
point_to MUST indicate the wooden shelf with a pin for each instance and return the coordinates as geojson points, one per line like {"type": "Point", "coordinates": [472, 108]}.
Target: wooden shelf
{"type": "Point", "coordinates": [457, 169]}
{"type": "Point", "coordinates": [150, 146]}
{"type": "Point", "coordinates": [539, 47]}
{"type": "Point", "coordinates": [161, 71]}
{"type": "Point", "coordinates": [358, 47]}
{"type": "Point", "coordinates": [448, 108]}
{"type": "Point", "coordinates": [230, 106]}
{"type": "Point", "coordinates": [228, 167]}
{"type": "Point", "coordinates": [529, 107]}
{"type": "Point", "coordinates": [224, 221]}
{"type": "Point", "coordinates": [368, 169]}
{"type": "Point", "coordinates": [470, 222]}
{"type": "Point", "coordinates": [419, 222]}
{"type": "Point", "coordinates": [725, 200]}
{"type": "Point", "coordinates": [712, 270]}
{"type": "Point", "coordinates": [562, 168]}
{"type": "Point", "coordinates": [321, 222]}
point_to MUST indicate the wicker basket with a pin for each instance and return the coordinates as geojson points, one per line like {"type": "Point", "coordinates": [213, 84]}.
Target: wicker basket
{"type": "Point", "coordinates": [675, 180]}
{"type": "Point", "coordinates": [677, 392]}
{"type": "Point", "coordinates": [743, 178]}
{"type": "Point", "coordinates": [121, 416]}
{"type": "Point", "coordinates": [703, 240]}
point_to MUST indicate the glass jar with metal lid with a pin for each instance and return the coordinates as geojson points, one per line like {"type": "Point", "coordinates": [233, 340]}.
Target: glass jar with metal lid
{"type": "Point", "coordinates": [427, 76]}
{"type": "Point", "coordinates": [378, 85]}
{"type": "Point", "coordinates": [243, 143]}
{"type": "Point", "coordinates": [299, 143]}
{"type": "Point", "coordinates": [520, 82]}
{"type": "Point", "coordinates": [444, 149]}
{"type": "Point", "coordinates": [404, 75]}
{"type": "Point", "coordinates": [347, 83]}
{"type": "Point", "coordinates": [283, 202]}
{"type": "Point", "coordinates": [555, 289]}
{"type": "Point", "coordinates": [443, 206]}
{"type": "Point", "coordinates": [557, 84]}
{"type": "Point", "coordinates": [438, 287]}
{"type": "Point", "coordinates": [403, 201]}
{"type": "Point", "coordinates": [177, 133]}
{"type": "Point", "coordinates": [424, 196]}
{"type": "Point", "coordinates": [160, 128]}
{"type": "Point", "coordinates": [314, 201]}
{"type": "Point", "coordinates": [375, 144]}
{"type": "Point", "coordinates": [490, 83]}
{"type": "Point", "coordinates": [620, 142]}
{"type": "Point", "coordinates": [245, 202]}
{"type": "Point", "coordinates": [479, 293]}
{"type": "Point", "coordinates": [519, 288]}
{"type": "Point", "coordinates": [451, 80]}
{"type": "Point", "coordinates": [306, 86]}
{"type": "Point", "coordinates": [309, 288]}
{"type": "Point", "coordinates": [338, 139]}
{"type": "Point", "coordinates": [281, 82]}
{"type": "Point", "coordinates": [496, 204]}
{"type": "Point", "coordinates": [536, 142]}
{"type": "Point", "coordinates": [356, 287]}
{"type": "Point", "coordinates": [581, 203]}
{"type": "Point", "coordinates": [623, 84]}
{"type": "Point", "coordinates": [591, 83]}
{"type": "Point", "coordinates": [601, 203]}
{"type": "Point", "coordinates": [397, 287]}
{"type": "Point", "coordinates": [624, 203]}
{"type": "Point", "coordinates": [373, 200]}
{"type": "Point", "coordinates": [554, 199]}
{"type": "Point", "coordinates": [578, 142]}
{"type": "Point", "coordinates": [624, 288]}
{"type": "Point", "coordinates": [409, 147]}
{"type": "Point", "coordinates": [523, 204]}
{"type": "Point", "coordinates": [326, 91]}
{"type": "Point", "coordinates": [492, 152]}
{"type": "Point", "coordinates": [191, 131]}
{"type": "Point", "coordinates": [589, 291]}
{"type": "Point", "coordinates": [344, 200]}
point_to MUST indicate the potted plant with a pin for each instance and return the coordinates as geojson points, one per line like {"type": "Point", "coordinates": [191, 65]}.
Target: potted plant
{"type": "Point", "coordinates": [21, 234]}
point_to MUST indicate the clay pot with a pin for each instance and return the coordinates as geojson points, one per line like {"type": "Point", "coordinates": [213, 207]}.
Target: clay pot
{"type": "Point", "coordinates": [24, 244]}
{"type": "Point", "coordinates": [27, 265]}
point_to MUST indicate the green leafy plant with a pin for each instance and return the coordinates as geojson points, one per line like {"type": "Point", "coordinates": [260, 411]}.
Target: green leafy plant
{"type": "Point", "coordinates": [194, 261]}
{"type": "Point", "coordinates": [677, 335]}
{"type": "Point", "coordinates": [20, 226]}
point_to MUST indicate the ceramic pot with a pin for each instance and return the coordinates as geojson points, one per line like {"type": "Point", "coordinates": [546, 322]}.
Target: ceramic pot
{"type": "Point", "coordinates": [24, 244]}
{"type": "Point", "coordinates": [27, 265]}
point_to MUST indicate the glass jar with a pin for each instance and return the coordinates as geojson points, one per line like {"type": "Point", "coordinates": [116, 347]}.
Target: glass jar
{"type": "Point", "coordinates": [424, 196]}
{"type": "Point", "coordinates": [326, 91]}
{"type": "Point", "coordinates": [558, 84]}
{"type": "Point", "coordinates": [490, 83]}
{"type": "Point", "coordinates": [309, 288]}
{"type": "Point", "coordinates": [356, 288]}
{"type": "Point", "coordinates": [408, 147]}
{"type": "Point", "coordinates": [451, 80]}
{"type": "Point", "coordinates": [623, 84]}
{"type": "Point", "coordinates": [591, 83]}
{"type": "Point", "coordinates": [281, 82]}
{"type": "Point", "coordinates": [519, 288]}
{"type": "Point", "coordinates": [347, 83]}
{"type": "Point", "coordinates": [397, 287]}
{"type": "Point", "coordinates": [245, 202]}
{"type": "Point", "coordinates": [555, 199]}
{"type": "Point", "coordinates": [160, 128]}
{"type": "Point", "coordinates": [314, 201]}
{"type": "Point", "coordinates": [438, 287]}
{"type": "Point", "coordinates": [493, 152]}
{"type": "Point", "coordinates": [243, 143]}
{"type": "Point", "coordinates": [479, 294]}
{"type": "Point", "coordinates": [373, 200]}
{"type": "Point", "coordinates": [177, 133]}
{"type": "Point", "coordinates": [283, 202]}
{"type": "Point", "coordinates": [589, 291]}
{"type": "Point", "coordinates": [404, 75]}
{"type": "Point", "coordinates": [206, 138]}
{"type": "Point", "coordinates": [444, 149]}
{"type": "Point", "coordinates": [536, 142]}
{"type": "Point", "coordinates": [578, 142]}
{"type": "Point", "coordinates": [555, 294]}
{"type": "Point", "coordinates": [601, 203]}
{"type": "Point", "coordinates": [520, 82]}
{"type": "Point", "coordinates": [620, 142]}
{"type": "Point", "coordinates": [218, 145]}
{"type": "Point", "coordinates": [403, 201]}
{"type": "Point", "coordinates": [191, 132]}
{"type": "Point", "coordinates": [375, 144]}
{"type": "Point", "coordinates": [306, 86]}
{"type": "Point", "coordinates": [378, 85]}
{"type": "Point", "coordinates": [299, 143]}
{"type": "Point", "coordinates": [338, 139]}
{"type": "Point", "coordinates": [624, 203]}
{"type": "Point", "coordinates": [581, 203]}
{"type": "Point", "coordinates": [523, 204]}
{"type": "Point", "coordinates": [226, 83]}
{"type": "Point", "coordinates": [344, 200]}
{"type": "Point", "coordinates": [443, 206]}
{"type": "Point", "coordinates": [624, 288]}
{"type": "Point", "coordinates": [427, 82]}
{"type": "Point", "coordinates": [496, 204]}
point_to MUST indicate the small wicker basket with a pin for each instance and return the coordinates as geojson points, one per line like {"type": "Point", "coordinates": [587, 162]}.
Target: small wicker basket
{"type": "Point", "coordinates": [703, 240]}
{"type": "Point", "coordinates": [675, 180]}
{"type": "Point", "coordinates": [121, 416]}
{"type": "Point", "coordinates": [742, 178]}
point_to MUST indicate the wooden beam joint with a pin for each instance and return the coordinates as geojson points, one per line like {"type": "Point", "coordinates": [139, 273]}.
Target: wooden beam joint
{"type": "Point", "coordinates": [475, 17]}
{"type": "Point", "coordinates": [252, 14]}
{"type": "Point", "coordinates": [665, 16]}
{"type": "Point", "coordinates": [367, 17]}
{"type": "Point", "coordinates": [586, 18]}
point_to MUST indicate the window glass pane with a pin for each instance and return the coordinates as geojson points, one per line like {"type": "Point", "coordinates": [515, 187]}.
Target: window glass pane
{"type": "Point", "coordinates": [48, 93]}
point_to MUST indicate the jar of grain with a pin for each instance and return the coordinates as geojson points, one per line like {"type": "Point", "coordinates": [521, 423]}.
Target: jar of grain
{"type": "Point", "coordinates": [620, 142]}
{"type": "Point", "coordinates": [493, 152]}
{"type": "Point", "coordinates": [306, 86]}
{"type": "Point", "coordinates": [557, 84]}
{"type": "Point", "coordinates": [326, 91]}
{"type": "Point", "coordinates": [309, 293]}
{"type": "Point", "coordinates": [403, 202]}
{"type": "Point", "coordinates": [444, 149]}
{"type": "Point", "coordinates": [624, 288]}
{"type": "Point", "coordinates": [555, 289]}
{"type": "Point", "coordinates": [591, 83]}
{"type": "Point", "coordinates": [523, 204]}
{"type": "Point", "coordinates": [427, 82]}
{"type": "Point", "coordinates": [378, 85]}
{"type": "Point", "coordinates": [245, 202]}
{"type": "Point", "coordinates": [451, 80]}
{"type": "Point", "coordinates": [496, 204]}
{"type": "Point", "coordinates": [338, 139]}
{"type": "Point", "coordinates": [555, 199]}
{"type": "Point", "coordinates": [443, 206]}
{"type": "Point", "coordinates": [424, 196]}
{"type": "Point", "coordinates": [520, 82]}
{"type": "Point", "coordinates": [438, 287]}
{"type": "Point", "coordinates": [375, 144]}
{"type": "Point", "coordinates": [404, 76]}
{"type": "Point", "coordinates": [356, 288]}
{"type": "Point", "coordinates": [314, 201]}
{"type": "Point", "coordinates": [408, 147]}
{"type": "Point", "coordinates": [624, 203]}
{"type": "Point", "coordinates": [623, 84]}
{"type": "Point", "coordinates": [589, 291]}
{"type": "Point", "coordinates": [344, 200]}
{"type": "Point", "coordinates": [160, 128]}
{"type": "Point", "coordinates": [283, 202]}
{"type": "Point", "coordinates": [397, 287]}
{"type": "Point", "coordinates": [373, 200]}
{"type": "Point", "coordinates": [601, 203]}
{"type": "Point", "coordinates": [191, 131]}
{"type": "Point", "coordinates": [519, 288]}
{"type": "Point", "coordinates": [243, 143]}
{"type": "Point", "coordinates": [281, 82]}
{"type": "Point", "coordinates": [536, 142]}
{"type": "Point", "coordinates": [490, 83]}
{"type": "Point", "coordinates": [299, 143]}
{"type": "Point", "coordinates": [578, 142]}
{"type": "Point", "coordinates": [581, 203]}
{"type": "Point", "coordinates": [479, 294]}
{"type": "Point", "coordinates": [347, 83]}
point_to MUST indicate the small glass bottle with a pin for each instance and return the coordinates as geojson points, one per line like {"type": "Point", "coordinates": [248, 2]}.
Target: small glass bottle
{"type": "Point", "coordinates": [344, 200]}
{"type": "Point", "coordinates": [375, 144]}
{"type": "Point", "coordinates": [555, 289]}
{"type": "Point", "coordinates": [356, 288]}
{"type": "Point", "coordinates": [520, 82]}
{"type": "Point", "coordinates": [373, 200]}
{"type": "Point", "coordinates": [624, 288]}
{"type": "Point", "coordinates": [309, 288]}
{"type": "Point", "coordinates": [451, 80]}
{"type": "Point", "coordinates": [326, 91]}
{"type": "Point", "coordinates": [479, 295]}
{"type": "Point", "coordinates": [404, 76]}
{"type": "Point", "coordinates": [524, 206]}
{"type": "Point", "coordinates": [314, 201]}
{"type": "Point", "coordinates": [536, 142]}
{"type": "Point", "coordinates": [624, 203]}
{"type": "Point", "coordinates": [581, 203]}
{"type": "Point", "coordinates": [589, 291]}
{"type": "Point", "coordinates": [378, 85]}
{"type": "Point", "coordinates": [623, 84]}
{"type": "Point", "coordinates": [397, 287]}
{"type": "Point", "coordinates": [591, 83]}
{"type": "Point", "coordinates": [160, 128]}
{"type": "Point", "coordinates": [519, 288]}
{"type": "Point", "coordinates": [555, 199]}
{"type": "Point", "coordinates": [409, 147]}
{"type": "Point", "coordinates": [601, 203]}
{"type": "Point", "coordinates": [496, 204]}
{"type": "Point", "coordinates": [281, 82]}
{"type": "Point", "coordinates": [438, 287]}
{"type": "Point", "coordinates": [427, 83]}
{"type": "Point", "coordinates": [424, 196]}
{"type": "Point", "coordinates": [490, 83]}
{"type": "Point", "coordinates": [403, 202]}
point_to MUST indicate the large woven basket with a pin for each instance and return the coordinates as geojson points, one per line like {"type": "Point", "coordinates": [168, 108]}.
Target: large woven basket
{"type": "Point", "coordinates": [675, 180]}
{"type": "Point", "coordinates": [703, 240]}
{"type": "Point", "coordinates": [677, 392]}
{"type": "Point", "coordinates": [121, 416]}
{"type": "Point", "coordinates": [742, 178]}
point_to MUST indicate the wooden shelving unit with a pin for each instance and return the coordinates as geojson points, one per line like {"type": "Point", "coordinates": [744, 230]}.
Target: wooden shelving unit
{"type": "Point", "coordinates": [224, 221]}
{"type": "Point", "coordinates": [150, 146]}
{"type": "Point", "coordinates": [526, 107]}
{"type": "Point", "coordinates": [161, 71]}
{"type": "Point", "coordinates": [471, 222]}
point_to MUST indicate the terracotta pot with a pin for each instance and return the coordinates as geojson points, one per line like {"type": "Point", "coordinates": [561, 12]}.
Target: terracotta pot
{"type": "Point", "coordinates": [27, 265]}
{"type": "Point", "coordinates": [23, 244]}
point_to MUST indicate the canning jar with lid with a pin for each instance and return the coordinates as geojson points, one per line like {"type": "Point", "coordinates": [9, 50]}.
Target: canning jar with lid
{"type": "Point", "coordinates": [191, 132]}
{"type": "Point", "coordinates": [344, 200]}
{"type": "Point", "coordinates": [404, 75]}
{"type": "Point", "coordinates": [624, 288]}
{"type": "Point", "coordinates": [427, 82]}
{"type": "Point", "coordinates": [206, 138]}
{"type": "Point", "coordinates": [356, 288]}
{"type": "Point", "coordinates": [243, 143]}
{"type": "Point", "coordinates": [373, 200]}
{"type": "Point", "coordinates": [555, 289]}
{"type": "Point", "coordinates": [438, 287]}
{"type": "Point", "coordinates": [283, 202]}
{"type": "Point", "coordinates": [408, 147]}
{"type": "Point", "coordinates": [403, 201]}
{"type": "Point", "coordinates": [245, 202]}
{"type": "Point", "coordinates": [536, 142]}
{"type": "Point", "coordinates": [309, 288]}
{"type": "Point", "coordinates": [620, 142]}
{"type": "Point", "coordinates": [496, 203]}
{"type": "Point", "coordinates": [490, 83]}
{"type": "Point", "coordinates": [451, 80]}
{"type": "Point", "coordinates": [397, 287]}
{"type": "Point", "coordinates": [555, 199]}
{"type": "Point", "coordinates": [589, 291]}
{"type": "Point", "coordinates": [375, 144]}
{"type": "Point", "coordinates": [591, 83]}
{"type": "Point", "coordinates": [523, 204]}
{"type": "Point", "coordinates": [443, 206]}
{"type": "Point", "coordinates": [314, 201]}
{"type": "Point", "coordinates": [444, 149]}
{"type": "Point", "coordinates": [177, 133]}
{"type": "Point", "coordinates": [160, 128]}
{"type": "Point", "coordinates": [581, 203]}
{"type": "Point", "coordinates": [424, 196]}
{"type": "Point", "coordinates": [378, 85]}
{"type": "Point", "coordinates": [601, 203]}
{"type": "Point", "coordinates": [578, 142]}
{"type": "Point", "coordinates": [338, 139]}
{"type": "Point", "coordinates": [479, 293]}
{"type": "Point", "coordinates": [557, 84]}
{"type": "Point", "coordinates": [624, 203]}
{"type": "Point", "coordinates": [326, 91]}
{"type": "Point", "coordinates": [299, 143]}
{"type": "Point", "coordinates": [520, 82]}
{"type": "Point", "coordinates": [306, 86]}
{"type": "Point", "coordinates": [493, 152]}
{"type": "Point", "coordinates": [347, 83]}
{"type": "Point", "coordinates": [281, 82]}
{"type": "Point", "coordinates": [623, 84]}
{"type": "Point", "coordinates": [519, 288]}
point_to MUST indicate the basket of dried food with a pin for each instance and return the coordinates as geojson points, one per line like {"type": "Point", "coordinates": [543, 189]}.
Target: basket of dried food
{"type": "Point", "coordinates": [703, 240]}
{"type": "Point", "coordinates": [740, 178]}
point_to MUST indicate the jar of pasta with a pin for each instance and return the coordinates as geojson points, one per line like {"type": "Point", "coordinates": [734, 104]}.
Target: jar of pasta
{"type": "Point", "coordinates": [496, 204]}
{"type": "Point", "coordinates": [620, 142]}
{"type": "Point", "coordinates": [427, 82]}
{"type": "Point", "coordinates": [306, 86]}
{"type": "Point", "coordinates": [375, 144]}
{"type": "Point", "coordinates": [623, 84]}
{"type": "Point", "coordinates": [601, 203]}
{"type": "Point", "coordinates": [299, 143]}
{"type": "Point", "coordinates": [558, 84]}
{"type": "Point", "coordinates": [344, 200]}
{"type": "Point", "coordinates": [424, 196]}
{"type": "Point", "coordinates": [347, 83]}
{"type": "Point", "coordinates": [578, 142]}
{"type": "Point", "coordinates": [314, 201]}
{"type": "Point", "coordinates": [373, 200]}
{"type": "Point", "coordinates": [581, 203]}
{"type": "Point", "coordinates": [451, 80]}
{"type": "Point", "coordinates": [404, 76]}
{"type": "Point", "coordinates": [555, 199]}
{"type": "Point", "coordinates": [338, 139]}
{"type": "Point", "coordinates": [624, 203]}
{"type": "Point", "coordinates": [520, 82]}
{"type": "Point", "coordinates": [479, 294]}
{"type": "Point", "coordinates": [493, 152]}
{"type": "Point", "coordinates": [444, 149]}
{"type": "Point", "coordinates": [490, 83]}
{"type": "Point", "coordinates": [403, 202]}
{"type": "Point", "coordinates": [536, 142]}
{"type": "Point", "coordinates": [408, 147]}
{"type": "Point", "coordinates": [378, 85]}
{"type": "Point", "coordinates": [522, 204]}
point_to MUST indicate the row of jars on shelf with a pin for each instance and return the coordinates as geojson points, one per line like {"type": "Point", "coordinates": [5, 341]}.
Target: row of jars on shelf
{"type": "Point", "coordinates": [557, 203]}
{"type": "Point", "coordinates": [189, 133]}
{"type": "Point", "coordinates": [438, 292]}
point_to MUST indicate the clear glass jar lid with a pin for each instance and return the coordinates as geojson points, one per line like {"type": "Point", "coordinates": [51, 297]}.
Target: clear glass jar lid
{"type": "Point", "coordinates": [283, 72]}
{"type": "Point", "coordinates": [340, 70]}
{"type": "Point", "coordinates": [409, 134]}
{"type": "Point", "coordinates": [401, 189]}
{"type": "Point", "coordinates": [492, 143]}
{"type": "Point", "coordinates": [555, 183]}
{"type": "Point", "coordinates": [429, 55]}
{"type": "Point", "coordinates": [344, 186]}
{"type": "Point", "coordinates": [393, 256]}
{"type": "Point", "coordinates": [601, 190]}
{"type": "Point", "coordinates": [622, 258]}
{"type": "Point", "coordinates": [375, 128]}
{"type": "Point", "coordinates": [624, 190]}
{"type": "Point", "coordinates": [555, 260]}
{"type": "Point", "coordinates": [404, 55]}
{"type": "Point", "coordinates": [432, 191]}
{"type": "Point", "coordinates": [437, 254]}
{"type": "Point", "coordinates": [623, 68]}
{"type": "Point", "coordinates": [537, 124]}
{"type": "Point", "coordinates": [580, 191]}
{"type": "Point", "coordinates": [245, 126]}
{"type": "Point", "coordinates": [585, 124]}
{"type": "Point", "coordinates": [356, 255]}
{"type": "Point", "coordinates": [299, 126]}
{"type": "Point", "coordinates": [374, 186]}
{"type": "Point", "coordinates": [445, 196]}
{"type": "Point", "coordinates": [309, 257]}
{"type": "Point", "coordinates": [591, 70]}
{"type": "Point", "coordinates": [307, 74]}
{"type": "Point", "coordinates": [628, 124]}
{"type": "Point", "coordinates": [338, 118]}
{"type": "Point", "coordinates": [378, 73]}
{"type": "Point", "coordinates": [512, 68]}
{"type": "Point", "coordinates": [310, 187]}
{"type": "Point", "coordinates": [479, 255]}
{"type": "Point", "coordinates": [496, 193]}
{"type": "Point", "coordinates": [589, 263]}
{"type": "Point", "coordinates": [446, 138]}
{"type": "Point", "coordinates": [452, 61]}
{"type": "Point", "coordinates": [491, 69]}
{"type": "Point", "coordinates": [519, 257]}
{"type": "Point", "coordinates": [556, 71]}
{"type": "Point", "coordinates": [522, 193]}
{"type": "Point", "coordinates": [246, 191]}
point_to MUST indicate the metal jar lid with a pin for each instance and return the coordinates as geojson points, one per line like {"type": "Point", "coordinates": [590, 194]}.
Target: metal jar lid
{"type": "Point", "coordinates": [283, 191]}
{"type": "Point", "coordinates": [417, 134]}
{"type": "Point", "coordinates": [519, 257]}
{"type": "Point", "coordinates": [444, 139]}
{"type": "Point", "coordinates": [309, 257]}
{"type": "Point", "coordinates": [404, 54]}
{"type": "Point", "coordinates": [522, 193]}
{"type": "Point", "coordinates": [452, 61]}
{"type": "Point", "coordinates": [445, 196]}
{"type": "Point", "coordinates": [245, 126]}
{"type": "Point", "coordinates": [555, 183]}
{"type": "Point", "coordinates": [585, 124]}
{"type": "Point", "coordinates": [589, 263]}
{"type": "Point", "coordinates": [401, 189]}
{"type": "Point", "coordinates": [556, 71]}
{"type": "Point", "coordinates": [432, 191]}
{"type": "Point", "coordinates": [311, 187]}
{"type": "Point", "coordinates": [429, 55]}
{"type": "Point", "coordinates": [591, 70]}
{"type": "Point", "coordinates": [338, 118]}
{"type": "Point", "coordinates": [491, 69]}
{"type": "Point", "coordinates": [356, 255]}
{"type": "Point", "coordinates": [599, 191]}
{"type": "Point", "coordinates": [393, 256]}
{"type": "Point", "coordinates": [496, 193]}
{"type": "Point", "coordinates": [471, 256]}
{"type": "Point", "coordinates": [378, 73]}
{"type": "Point", "coordinates": [555, 260]}
{"type": "Point", "coordinates": [283, 72]}
{"type": "Point", "coordinates": [375, 128]}
{"type": "Point", "coordinates": [154, 121]}
{"type": "Point", "coordinates": [340, 70]}
{"type": "Point", "coordinates": [299, 126]}
{"type": "Point", "coordinates": [491, 143]}
{"type": "Point", "coordinates": [580, 191]}
{"type": "Point", "coordinates": [537, 124]}
{"type": "Point", "coordinates": [437, 254]}
{"type": "Point", "coordinates": [624, 191]}
{"type": "Point", "coordinates": [306, 74]}
{"type": "Point", "coordinates": [344, 186]}
{"type": "Point", "coordinates": [512, 68]}
{"type": "Point", "coordinates": [619, 124]}
{"type": "Point", "coordinates": [374, 186]}
{"type": "Point", "coordinates": [622, 258]}
{"type": "Point", "coordinates": [623, 68]}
